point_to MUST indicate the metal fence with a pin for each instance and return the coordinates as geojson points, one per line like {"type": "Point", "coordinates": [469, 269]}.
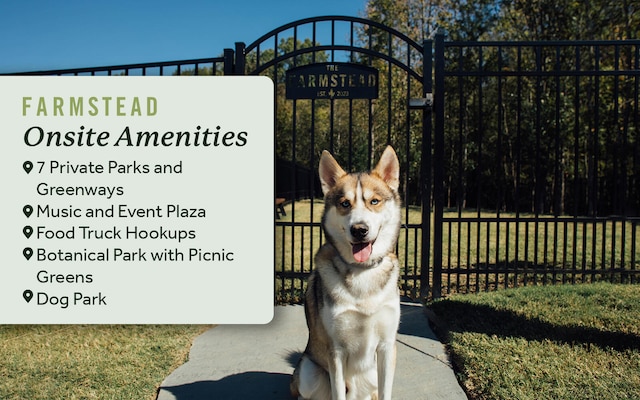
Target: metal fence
{"type": "Point", "coordinates": [525, 171]}
{"type": "Point", "coordinates": [201, 66]}
{"type": "Point", "coordinates": [538, 154]}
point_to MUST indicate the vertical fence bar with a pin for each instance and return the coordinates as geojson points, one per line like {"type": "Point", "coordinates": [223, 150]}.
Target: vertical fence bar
{"type": "Point", "coordinates": [438, 164]}
{"type": "Point", "coordinates": [461, 185]}
{"type": "Point", "coordinates": [539, 184]}
{"type": "Point", "coordinates": [518, 163]}
{"type": "Point", "coordinates": [576, 164]}
{"type": "Point", "coordinates": [558, 206]}
{"type": "Point", "coordinates": [595, 157]}
{"type": "Point", "coordinates": [498, 169]}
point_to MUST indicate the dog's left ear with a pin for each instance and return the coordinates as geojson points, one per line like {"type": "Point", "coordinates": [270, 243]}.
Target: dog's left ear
{"type": "Point", "coordinates": [388, 168]}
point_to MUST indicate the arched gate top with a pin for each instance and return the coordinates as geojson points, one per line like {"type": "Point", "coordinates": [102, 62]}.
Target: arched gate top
{"type": "Point", "coordinates": [412, 46]}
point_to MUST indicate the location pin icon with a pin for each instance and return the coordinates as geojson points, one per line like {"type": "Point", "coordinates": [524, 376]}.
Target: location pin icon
{"type": "Point", "coordinates": [28, 295]}
{"type": "Point", "coordinates": [27, 210]}
{"type": "Point", "coordinates": [27, 252]}
{"type": "Point", "coordinates": [27, 230]}
{"type": "Point", "coordinates": [28, 166]}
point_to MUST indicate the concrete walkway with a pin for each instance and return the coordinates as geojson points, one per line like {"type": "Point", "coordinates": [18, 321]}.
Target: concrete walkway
{"type": "Point", "coordinates": [256, 361]}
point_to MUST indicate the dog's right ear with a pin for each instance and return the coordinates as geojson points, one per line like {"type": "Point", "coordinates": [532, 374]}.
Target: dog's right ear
{"type": "Point", "coordinates": [330, 171]}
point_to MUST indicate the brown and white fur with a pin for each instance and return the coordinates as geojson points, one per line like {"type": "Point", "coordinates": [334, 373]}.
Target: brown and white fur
{"type": "Point", "coordinates": [352, 303]}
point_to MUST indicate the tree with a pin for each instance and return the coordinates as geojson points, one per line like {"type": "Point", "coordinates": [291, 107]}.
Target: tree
{"type": "Point", "coordinates": [545, 140]}
{"type": "Point", "coordinates": [569, 20]}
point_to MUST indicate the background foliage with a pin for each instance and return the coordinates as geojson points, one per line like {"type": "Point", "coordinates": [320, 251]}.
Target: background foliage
{"type": "Point", "coordinates": [564, 148]}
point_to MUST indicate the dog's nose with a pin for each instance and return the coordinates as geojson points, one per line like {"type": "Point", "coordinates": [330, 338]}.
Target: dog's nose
{"type": "Point", "coordinates": [359, 231]}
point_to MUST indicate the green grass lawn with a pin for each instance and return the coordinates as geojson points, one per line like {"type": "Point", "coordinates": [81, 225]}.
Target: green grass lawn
{"type": "Point", "coordinates": [545, 342]}
{"type": "Point", "coordinates": [90, 361]}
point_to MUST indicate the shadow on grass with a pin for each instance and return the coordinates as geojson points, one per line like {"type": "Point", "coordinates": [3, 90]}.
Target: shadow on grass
{"type": "Point", "coordinates": [459, 316]}
{"type": "Point", "coordinates": [242, 386]}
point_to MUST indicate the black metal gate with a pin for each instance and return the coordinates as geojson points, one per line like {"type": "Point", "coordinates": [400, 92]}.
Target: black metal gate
{"type": "Point", "coordinates": [354, 130]}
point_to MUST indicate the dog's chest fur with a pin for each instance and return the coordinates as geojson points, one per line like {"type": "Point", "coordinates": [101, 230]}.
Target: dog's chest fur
{"type": "Point", "coordinates": [358, 306]}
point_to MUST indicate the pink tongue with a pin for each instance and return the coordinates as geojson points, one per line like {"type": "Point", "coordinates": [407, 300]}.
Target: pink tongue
{"type": "Point", "coordinates": [361, 251]}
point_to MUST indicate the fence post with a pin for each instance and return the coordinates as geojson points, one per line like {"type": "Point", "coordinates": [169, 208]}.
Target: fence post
{"type": "Point", "coordinates": [438, 165]}
{"type": "Point", "coordinates": [240, 58]}
{"type": "Point", "coordinates": [228, 61]}
{"type": "Point", "coordinates": [425, 169]}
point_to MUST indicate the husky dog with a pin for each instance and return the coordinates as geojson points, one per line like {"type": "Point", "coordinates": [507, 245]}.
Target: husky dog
{"type": "Point", "coordinates": [352, 303]}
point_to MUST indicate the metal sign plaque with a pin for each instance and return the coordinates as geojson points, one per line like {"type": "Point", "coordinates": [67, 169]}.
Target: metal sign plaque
{"type": "Point", "coordinates": [332, 81]}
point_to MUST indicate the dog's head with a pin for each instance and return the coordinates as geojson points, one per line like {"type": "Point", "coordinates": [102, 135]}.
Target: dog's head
{"type": "Point", "coordinates": [362, 210]}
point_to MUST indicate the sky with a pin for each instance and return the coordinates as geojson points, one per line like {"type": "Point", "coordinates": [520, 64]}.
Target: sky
{"type": "Point", "coordinates": [38, 35]}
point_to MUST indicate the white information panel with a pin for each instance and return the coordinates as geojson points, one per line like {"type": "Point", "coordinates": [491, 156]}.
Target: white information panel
{"type": "Point", "coordinates": [136, 200]}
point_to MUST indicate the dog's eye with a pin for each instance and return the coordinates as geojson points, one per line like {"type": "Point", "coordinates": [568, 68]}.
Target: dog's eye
{"type": "Point", "coordinates": [375, 202]}
{"type": "Point", "coordinates": [345, 204]}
